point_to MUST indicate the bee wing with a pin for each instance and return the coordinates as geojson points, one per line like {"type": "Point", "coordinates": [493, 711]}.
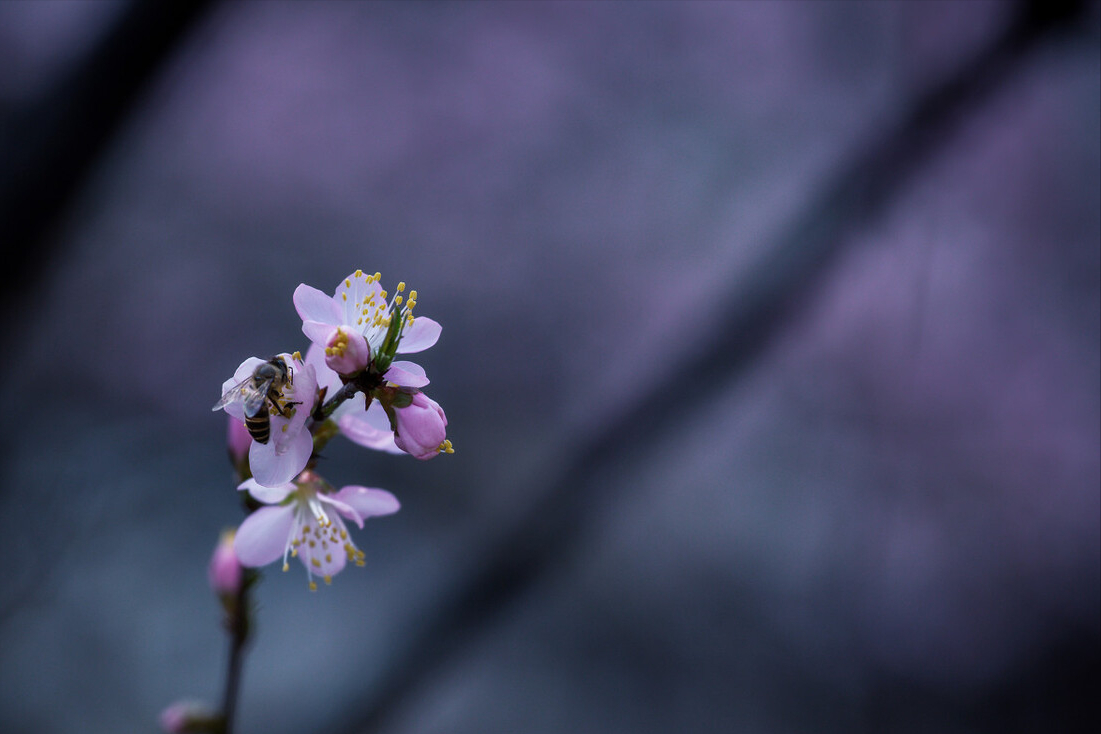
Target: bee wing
{"type": "Point", "coordinates": [233, 394]}
{"type": "Point", "coordinates": [251, 395]}
{"type": "Point", "coordinates": [255, 398]}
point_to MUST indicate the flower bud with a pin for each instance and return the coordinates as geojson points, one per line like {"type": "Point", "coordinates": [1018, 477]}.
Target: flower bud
{"type": "Point", "coordinates": [420, 428]}
{"type": "Point", "coordinates": [346, 352]}
{"type": "Point", "coordinates": [225, 572]}
{"type": "Point", "coordinates": [188, 716]}
{"type": "Point", "coordinates": [237, 440]}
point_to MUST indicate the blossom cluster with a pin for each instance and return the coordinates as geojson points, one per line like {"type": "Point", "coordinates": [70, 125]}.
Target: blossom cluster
{"type": "Point", "coordinates": [285, 409]}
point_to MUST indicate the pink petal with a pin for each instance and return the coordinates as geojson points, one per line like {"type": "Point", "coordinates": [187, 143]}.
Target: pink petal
{"type": "Point", "coordinates": [419, 335]}
{"type": "Point", "coordinates": [237, 438]}
{"type": "Point", "coordinates": [358, 428]}
{"type": "Point", "coordinates": [263, 535]}
{"type": "Point", "coordinates": [344, 509]}
{"type": "Point", "coordinates": [315, 357]}
{"type": "Point", "coordinates": [367, 501]}
{"type": "Point", "coordinates": [406, 374]}
{"type": "Point", "coordinates": [313, 305]}
{"type": "Point", "coordinates": [272, 469]}
{"type": "Point", "coordinates": [267, 495]}
{"type": "Point", "coordinates": [302, 391]}
{"type": "Point", "coordinates": [318, 332]}
{"type": "Point", "coordinates": [346, 351]}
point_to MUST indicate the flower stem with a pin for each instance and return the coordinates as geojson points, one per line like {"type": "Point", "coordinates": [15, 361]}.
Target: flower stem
{"type": "Point", "coordinates": [237, 626]}
{"type": "Point", "coordinates": [322, 412]}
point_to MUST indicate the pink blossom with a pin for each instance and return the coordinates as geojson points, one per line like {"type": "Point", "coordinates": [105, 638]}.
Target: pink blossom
{"type": "Point", "coordinates": [421, 428]}
{"type": "Point", "coordinates": [186, 716]}
{"type": "Point", "coordinates": [360, 304]}
{"type": "Point", "coordinates": [306, 520]}
{"type": "Point", "coordinates": [288, 450]}
{"type": "Point", "coordinates": [225, 572]}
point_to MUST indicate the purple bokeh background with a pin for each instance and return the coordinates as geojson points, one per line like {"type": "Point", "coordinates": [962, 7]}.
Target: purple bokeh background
{"type": "Point", "coordinates": [889, 520]}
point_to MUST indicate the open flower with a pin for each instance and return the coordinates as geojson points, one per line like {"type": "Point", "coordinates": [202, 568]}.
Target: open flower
{"type": "Point", "coordinates": [287, 404]}
{"type": "Point", "coordinates": [360, 306]}
{"type": "Point", "coordinates": [306, 520]}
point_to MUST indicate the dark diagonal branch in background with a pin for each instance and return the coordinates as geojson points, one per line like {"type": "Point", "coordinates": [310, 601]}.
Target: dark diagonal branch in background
{"type": "Point", "coordinates": [509, 565]}
{"type": "Point", "coordinates": [48, 147]}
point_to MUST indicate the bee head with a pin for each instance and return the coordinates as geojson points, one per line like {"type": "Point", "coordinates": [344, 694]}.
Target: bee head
{"type": "Point", "coordinates": [274, 368]}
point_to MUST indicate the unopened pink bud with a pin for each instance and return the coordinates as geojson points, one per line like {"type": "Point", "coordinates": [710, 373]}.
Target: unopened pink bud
{"type": "Point", "coordinates": [346, 352]}
{"type": "Point", "coordinates": [225, 572]}
{"type": "Point", "coordinates": [238, 440]}
{"type": "Point", "coordinates": [186, 716]}
{"type": "Point", "coordinates": [421, 428]}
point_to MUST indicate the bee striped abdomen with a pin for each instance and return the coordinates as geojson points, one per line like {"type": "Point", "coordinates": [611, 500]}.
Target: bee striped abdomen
{"type": "Point", "coordinates": [259, 426]}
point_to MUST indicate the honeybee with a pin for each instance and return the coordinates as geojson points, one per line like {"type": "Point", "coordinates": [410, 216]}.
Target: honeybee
{"type": "Point", "coordinates": [263, 388]}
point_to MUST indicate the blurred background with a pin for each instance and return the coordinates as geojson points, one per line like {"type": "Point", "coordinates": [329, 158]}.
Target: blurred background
{"type": "Point", "coordinates": [771, 352]}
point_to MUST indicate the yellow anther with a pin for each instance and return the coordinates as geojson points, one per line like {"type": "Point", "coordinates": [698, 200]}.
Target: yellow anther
{"type": "Point", "coordinates": [294, 553]}
{"type": "Point", "coordinates": [286, 567]}
{"type": "Point", "coordinates": [359, 273]}
{"type": "Point", "coordinates": [315, 563]}
{"type": "Point", "coordinates": [328, 580]}
{"type": "Point", "coordinates": [412, 295]}
{"type": "Point", "coordinates": [401, 286]}
{"type": "Point", "coordinates": [361, 564]}
{"type": "Point", "coordinates": [378, 276]}
{"type": "Point", "coordinates": [313, 585]}
{"type": "Point", "coordinates": [284, 429]}
{"type": "Point", "coordinates": [297, 356]}
{"type": "Point", "coordinates": [344, 296]}
{"type": "Point", "coordinates": [347, 283]}
{"type": "Point", "coordinates": [383, 295]}
{"type": "Point", "coordinates": [397, 300]}
{"type": "Point", "coordinates": [328, 558]}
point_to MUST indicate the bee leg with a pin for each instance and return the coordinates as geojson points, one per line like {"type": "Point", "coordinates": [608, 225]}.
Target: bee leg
{"type": "Point", "coordinates": [284, 409]}
{"type": "Point", "coordinates": [289, 405]}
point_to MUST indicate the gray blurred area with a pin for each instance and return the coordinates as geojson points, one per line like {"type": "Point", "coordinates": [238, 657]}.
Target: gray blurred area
{"type": "Point", "coordinates": [771, 354]}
